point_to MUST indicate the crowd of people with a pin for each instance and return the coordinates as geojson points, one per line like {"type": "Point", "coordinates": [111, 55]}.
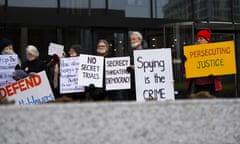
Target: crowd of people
{"type": "Point", "coordinates": [33, 64]}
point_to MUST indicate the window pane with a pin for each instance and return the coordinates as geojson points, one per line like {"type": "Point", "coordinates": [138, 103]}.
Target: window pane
{"type": "Point", "coordinates": [132, 8]}
{"type": "Point", "coordinates": [74, 4]}
{"type": "Point", "coordinates": [173, 9]}
{"type": "Point", "coordinates": [221, 10]}
{"type": "Point", "coordinates": [236, 10]}
{"type": "Point", "coordinates": [33, 3]}
{"type": "Point", "coordinates": [2, 2]}
{"type": "Point", "coordinates": [158, 8]}
{"type": "Point", "coordinates": [98, 3]}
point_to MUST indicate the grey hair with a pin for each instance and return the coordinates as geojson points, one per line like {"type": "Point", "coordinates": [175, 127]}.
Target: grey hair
{"type": "Point", "coordinates": [138, 34]}
{"type": "Point", "coordinates": [105, 42]}
{"type": "Point", "coordinates": [33, 50]}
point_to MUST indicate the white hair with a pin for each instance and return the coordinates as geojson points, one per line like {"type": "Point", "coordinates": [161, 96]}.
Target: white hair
{"type": "Point", "coordinates": [33, 50]}
{"type": "Point", "coordinates": [138, 34]}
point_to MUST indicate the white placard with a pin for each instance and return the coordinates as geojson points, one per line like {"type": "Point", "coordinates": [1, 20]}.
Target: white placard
{"type": "Point", "coordinates": [69, 75]}
{"type": "Point", "coordinates": [116, 75]}
{"type": "Point", "coordinates": [91, 70]}
{"type": "Point", "coordinates": [7, 67]}
{"type": "Point", "coordinates": [54, 48]}
{"type": "Point", "coordinates": [153, 75]}
{"type": "Point", "coordinates": [8, 61]}
{"type": "Point", "coordinates": [32, 90]}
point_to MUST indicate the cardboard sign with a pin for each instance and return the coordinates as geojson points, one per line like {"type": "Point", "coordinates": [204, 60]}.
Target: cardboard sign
{"type": "Point", "coordinates": [91, 70]}
{"type": "Point", "coordinates": [69, 75]}
{"type": "Point", "coordinates": [55, 49]}
{"type": "Point", "coordinates": [210, 59]}
{"type": "Point", "coordinates": [32, 90]}
{"type": "Point", "coordinates": [7, 68]}
{"type": "Point", "coordinates": [116, 75]}
{"type": "Point", "coordinates": [153, 75]}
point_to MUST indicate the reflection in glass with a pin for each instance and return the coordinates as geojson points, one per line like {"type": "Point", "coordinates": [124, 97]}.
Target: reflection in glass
{"type": "Point", "coordinates": [158, 6]}
{"type": "Point", "coordinates": [177, 9]}
{"type": "Point", "coordinates": [132, 8]}
{"type": "Point", "coordinates": [32, 3]}
{"type": "Point", "coordinates": [2, 2]}
{"type": "Point", "coordinates": [98, 4]}
{"type": "Point", "coordinates": [74, 3]}
{"type": "Point", "coordinates": [236, 10]}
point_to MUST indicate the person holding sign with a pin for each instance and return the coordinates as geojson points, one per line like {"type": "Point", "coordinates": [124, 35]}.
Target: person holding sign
{"type": "Point", "coordinates": [7, 49]}
{"type": "Point", "coordinates": [212, 84]}
{"type": "Point", "coordinates": [136, 40]}
{"type": "Point", "coordinates": [74, 50]}
{"type": "Point", "coordinates": [33, 64]}
{"type": "Point", "coordinates": [98, 94]}
{"type": "Point", "coordinates": [80, 94]}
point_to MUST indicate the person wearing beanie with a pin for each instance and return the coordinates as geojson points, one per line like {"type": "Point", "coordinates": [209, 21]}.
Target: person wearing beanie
{"type": "Point", "coordinates": [6, 47]}
{"type": "Point", "coordinates": [32, 64]}
{"type": "Point", "coordinates": [203, 36]}
{"type": "Point", "coordinates": [211, 84]}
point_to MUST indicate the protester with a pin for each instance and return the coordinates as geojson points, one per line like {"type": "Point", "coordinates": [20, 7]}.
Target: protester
{"type": "Point", "coordinates": [100, 94]}
{"type": "Point", "coordinates": [52, 71]}
{"type": "Point", "coordinates": [211, 84]}
{"type": "Point", "coordinates": [136, 40]}
{"type": "Point", "coordinates": [74, 51]}
{"type": "Point", "coordinates": [7, 49]}
{"type": "Point", "coordinates": [33, 64]}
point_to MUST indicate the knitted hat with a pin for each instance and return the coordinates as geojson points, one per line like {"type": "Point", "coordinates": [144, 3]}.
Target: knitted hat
{"type": "Point", "coordinates": [205, 34]}
{"type": "Point", "coordinates": [4, 43]}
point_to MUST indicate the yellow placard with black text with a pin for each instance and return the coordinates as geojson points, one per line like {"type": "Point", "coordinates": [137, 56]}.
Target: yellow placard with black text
{"type": "Point", "coordinates": [213, 59]}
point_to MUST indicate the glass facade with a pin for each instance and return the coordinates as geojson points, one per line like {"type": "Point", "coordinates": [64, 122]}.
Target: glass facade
{"type": "Point", "coordinates": [178, 9]}
{"type": "Point", "coordinates": [132, 8]}
{"type": "Point", "coordinates": [2, 2]}
{"type": "Point", "coordinates": [33, 3]}
{"type": "Point", "coordinates": [74, 4]}
{"type": "Point", "coordinates": [163, 23]}
{"type": "Point", "coordinates": [98, 4]}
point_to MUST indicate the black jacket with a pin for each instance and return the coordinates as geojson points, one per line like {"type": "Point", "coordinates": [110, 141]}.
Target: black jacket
{"type": "Point", "coordinates": [33, 66]}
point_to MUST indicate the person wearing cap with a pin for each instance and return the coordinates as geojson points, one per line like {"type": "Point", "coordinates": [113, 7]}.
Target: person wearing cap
{"type": "Point", "coordinates": [32, 64]}
{"type": "Point", "coordinates": [211, 84]}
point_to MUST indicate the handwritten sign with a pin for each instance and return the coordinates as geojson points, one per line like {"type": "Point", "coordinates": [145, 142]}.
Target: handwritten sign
{"type": "Point", "coordinates": [153, 75]}
{"type": "Point", "coordinates": [91, 70]}
{"type": "Point", "coordinates": [55, 49]}
{"type": "Point", "coordinates": [116, 75]}
{"type": "Point", "coordinates": [7, 67]}
{"type": "Point", "coordinates": [69, 75]}
{"type": "Point", "coordinates": [29, 91]}
{"type": "Point", "coordinates": [210, 59]}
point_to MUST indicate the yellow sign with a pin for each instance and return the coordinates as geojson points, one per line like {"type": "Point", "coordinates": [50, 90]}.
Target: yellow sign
{"type": "Point", "coordinates": [210, 59]}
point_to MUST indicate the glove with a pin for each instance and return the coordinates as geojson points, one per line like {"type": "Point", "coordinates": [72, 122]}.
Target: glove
{"type": "Point", "coordinates": [129, 69]}
{"type": "Point", "coordinates": [90, 88]}
{"type": "Point", "coordinates": [55, 59]}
